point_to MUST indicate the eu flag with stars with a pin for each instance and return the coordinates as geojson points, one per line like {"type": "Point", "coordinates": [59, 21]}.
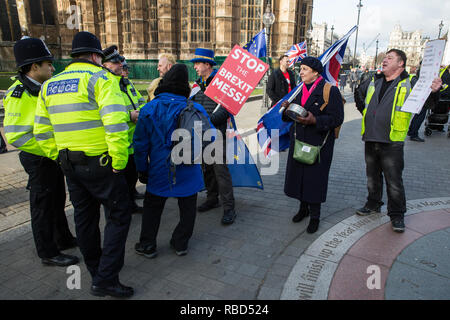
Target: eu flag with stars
{"type": "Point", "coordinates": [257, 46]}
{"type": "Point", "coordinates": [242, 167]}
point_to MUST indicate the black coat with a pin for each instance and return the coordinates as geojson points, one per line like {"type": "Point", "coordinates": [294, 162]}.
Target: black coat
{"type": "Point", "coordinates": [309, 183]}
{"type": "Point", "coordinates": [277, 86]}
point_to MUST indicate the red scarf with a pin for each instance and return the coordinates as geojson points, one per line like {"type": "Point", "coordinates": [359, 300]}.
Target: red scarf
{"type": "Point", "coordinates": [306, 93]}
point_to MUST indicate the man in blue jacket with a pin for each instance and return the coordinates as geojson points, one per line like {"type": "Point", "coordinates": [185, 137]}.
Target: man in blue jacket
{"type": "Point", "coordinates": [153, 146]}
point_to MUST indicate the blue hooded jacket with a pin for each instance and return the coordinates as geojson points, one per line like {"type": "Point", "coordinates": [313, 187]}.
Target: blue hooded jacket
{"type": "Point", "coordinates": [152, 147]}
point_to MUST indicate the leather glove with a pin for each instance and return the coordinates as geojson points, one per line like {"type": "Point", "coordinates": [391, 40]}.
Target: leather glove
{"type": "Point", "coordinates": [143, 177]}
{"type": "Point", "coordinates": [309, 119]}
{"type": "Point", "coordinates": [285, 104]}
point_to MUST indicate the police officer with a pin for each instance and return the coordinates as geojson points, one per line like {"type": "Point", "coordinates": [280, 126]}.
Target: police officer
{"type": "Point", "coordinates": [46, 181]}
{"type": "Point", "coordinates": [131, 88]}
{"type": "Point", "coordinates": [81, 119]}
{"type": "Point", "coordinates": [133, 100]}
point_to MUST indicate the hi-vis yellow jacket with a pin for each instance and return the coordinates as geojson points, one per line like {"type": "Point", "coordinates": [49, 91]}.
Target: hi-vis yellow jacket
{"type": "Point", "coordinates": [134, 101]}
{"type": "Point", "coordinates": [399, 119]}
{"type": "Point", "coordinates": [20, 108]}
{"type": "Point", "coordinates": [82, 109]}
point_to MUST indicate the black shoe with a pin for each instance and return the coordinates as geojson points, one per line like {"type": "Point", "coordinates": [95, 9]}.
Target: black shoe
{"type": "Point", "coordinates": [66, 245]}
{"type": "Point", "coordinates": [228, 216]}
{"type": "Point", "coordinates": [364, 211]}
{"type": "Point", "coordinates": [313, 225]}
{"type": "Point", "coordinates": [398, 225]}
{"type": "Point", "coordinates": [137, 209]}
{"type": "Point", "coordinates": [118, 290]}
{"type": "Point", "coordinates": [178, 252]}
{"type": "Point", "coordinates": [417, 139]}
{"type": "Point", "coordinates": [208, 205]}
{"type": "Point", "coordinates": [3, 150]}
{"type": "Point", "coordinates": [139, 196]}
{"type": "Point", "coordinates": [61, 260]}
{"type": "Point", "coordinates": [301, 214]}
{"type": "Point", "coordinates": [148, 251]}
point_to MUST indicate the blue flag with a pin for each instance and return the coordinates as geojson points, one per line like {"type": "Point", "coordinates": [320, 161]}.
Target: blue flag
{"type": "Point", "coordinates": [242, 167]}
{"type": "Point", "coordinates": [257, 46]}
{"type": "Point", "coordinates": [331, 60]}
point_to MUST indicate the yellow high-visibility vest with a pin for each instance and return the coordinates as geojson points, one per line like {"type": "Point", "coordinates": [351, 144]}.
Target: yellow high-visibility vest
{"type": "Point", "coordinates": [131, 97]}
{"type": "Point", "coordinates": [20, 108]}
{"type": "Point", "coordinates": [82, 109]}
{"type": "Point", "coordinates": [399, 119]}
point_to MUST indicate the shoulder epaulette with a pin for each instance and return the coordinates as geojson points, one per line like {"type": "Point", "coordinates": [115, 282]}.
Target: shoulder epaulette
{"type": "Point", "coordinates": [18, 91]}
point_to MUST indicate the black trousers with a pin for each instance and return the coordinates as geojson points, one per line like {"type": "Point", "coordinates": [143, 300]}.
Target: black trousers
{"type": "Point", "coordinates": [416, 122]}
{"type": "Point", "coordinates": [218, 182]}
{"type": "Point", "coordinates": [90, 185]}
{"type": "Point", "coordinates": [131, 177]}
{"type": "Point", "coordinates": [47, 202]}
{"type": "Point", "coordinates": [2, 144]}
{"type": "Point", "coordinates": [385, 159]}
{"type": "Point", "coordinates": [151, 218]}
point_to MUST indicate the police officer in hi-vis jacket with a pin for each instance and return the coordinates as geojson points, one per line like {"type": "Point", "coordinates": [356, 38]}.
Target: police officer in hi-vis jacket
{"type": "Point", "coordinates": [82, 121]}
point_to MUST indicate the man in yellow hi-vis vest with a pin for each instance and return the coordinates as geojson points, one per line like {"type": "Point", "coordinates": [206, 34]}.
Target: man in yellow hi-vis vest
{"type": "Point", "coordinates": [81, 119]}
{"type": "Point", "coordinates": [134, 101]}
{"type": "Point", "coordinates": [384, 128]}
{"type": "Point", "coordinates": [46, 181]}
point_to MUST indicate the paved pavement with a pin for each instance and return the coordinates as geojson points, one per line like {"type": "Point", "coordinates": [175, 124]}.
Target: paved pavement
{"type": "Point", "coordinates": [263, 255]}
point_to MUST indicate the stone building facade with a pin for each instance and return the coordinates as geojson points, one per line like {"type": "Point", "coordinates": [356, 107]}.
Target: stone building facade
{"type": "Point", "coordinates": [411, 42]}
{"type": "Point", "coordinates": [143, 29]}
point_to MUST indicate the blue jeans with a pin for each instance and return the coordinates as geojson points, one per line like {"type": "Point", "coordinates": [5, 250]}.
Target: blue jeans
{"type": "Point", "coordinates": [385, 159]}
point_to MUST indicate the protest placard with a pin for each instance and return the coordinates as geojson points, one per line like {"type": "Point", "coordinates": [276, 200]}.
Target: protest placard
{"type": "Point", "coordinates": [236, 79]}
{"type": "Point", "coordinates": [429, 70]}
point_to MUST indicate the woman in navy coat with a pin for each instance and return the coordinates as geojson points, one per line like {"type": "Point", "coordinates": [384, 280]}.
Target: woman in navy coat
{"type": "Point", "coordinates": [309, 183]}
{"type": "Point", "coordinates": [153, 146]}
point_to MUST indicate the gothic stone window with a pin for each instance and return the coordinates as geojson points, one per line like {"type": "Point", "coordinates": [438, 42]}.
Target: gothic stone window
{"type": "Point", "coordinates": [42, 12]}
{"type": "Point", "coordinates": [126, 21]}
{"type": "Point", "coordinates": [196, 20]}
{"type": "Point", "coordinates": [9, 21]}
{"type": "Point", "coordinates": [251, 19]}
{"type": "Point", "coordinates": [153, 20]}
{"type": "Point", "coordinates": [101, 20]}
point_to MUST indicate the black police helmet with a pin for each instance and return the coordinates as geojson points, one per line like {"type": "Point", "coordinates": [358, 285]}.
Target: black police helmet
{"type": "Point", "coordinates": [86, 42]}
{"type": "Point", "coordinates": [31, 50]}
{"type": "Point", "coordinates": [111, 54]}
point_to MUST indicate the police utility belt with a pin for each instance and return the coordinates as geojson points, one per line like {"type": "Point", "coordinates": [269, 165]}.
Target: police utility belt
{"type": "Point", "coordinates": [69, 158]}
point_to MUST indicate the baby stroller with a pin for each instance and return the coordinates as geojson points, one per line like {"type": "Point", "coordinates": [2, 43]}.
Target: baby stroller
{"type": "Point", "coordinates": [437, 118]}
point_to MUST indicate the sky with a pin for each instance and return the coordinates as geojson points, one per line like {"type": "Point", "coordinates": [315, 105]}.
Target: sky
{"type": "Point", "coordinates": [380, 16]}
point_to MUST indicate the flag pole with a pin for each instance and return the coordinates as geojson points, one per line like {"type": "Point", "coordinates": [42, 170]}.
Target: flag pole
{"type": "Point", "coordinates": [324, 62]}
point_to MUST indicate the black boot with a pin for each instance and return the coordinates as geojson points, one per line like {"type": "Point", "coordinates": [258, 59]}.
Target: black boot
{"type": "Point", "coordinates": [302, 213]}
{"type": "Point", "coordinates": [313, 225]}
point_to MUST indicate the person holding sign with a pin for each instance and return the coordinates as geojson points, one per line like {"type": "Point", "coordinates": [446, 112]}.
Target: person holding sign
{"type": "Point", "coordinates": [384, 129]}
{"type": "Point", "coordinates": [309, 182]}
{"type": "Point", "coordinates": [217, 176]}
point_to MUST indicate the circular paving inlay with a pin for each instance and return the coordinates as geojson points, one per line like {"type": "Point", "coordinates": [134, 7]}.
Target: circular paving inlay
{"type": "Point", "coordinates": [339, 263]}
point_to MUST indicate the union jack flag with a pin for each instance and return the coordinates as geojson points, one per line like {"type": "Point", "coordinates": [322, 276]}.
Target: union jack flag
{"type": "Point", "coordinates": [296, 53]}
{"type": "Point", "coordinates": [271, 128]}
{"type": "Point", "coordinates": [333, 56]}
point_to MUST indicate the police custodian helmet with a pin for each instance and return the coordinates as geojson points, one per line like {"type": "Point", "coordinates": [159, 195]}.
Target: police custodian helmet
{"type": "Point", "coordinates": [30, 50]}
{"type": "Point", "coordinates": [86, 42]}
{"type": "Point", "coordinates": [111, 54]}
